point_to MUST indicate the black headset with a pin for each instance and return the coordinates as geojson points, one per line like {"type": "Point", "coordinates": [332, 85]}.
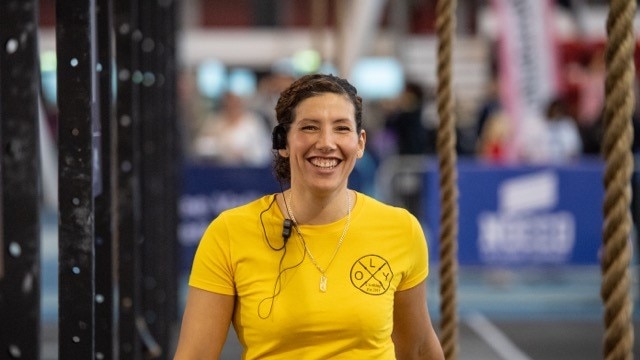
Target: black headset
{"type": "Point", "coordinates": [279, 140]}
{"type": "Point", "coordinates": [279, 137]}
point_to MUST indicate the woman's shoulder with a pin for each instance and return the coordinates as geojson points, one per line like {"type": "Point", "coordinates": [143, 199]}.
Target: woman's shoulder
{"type": "Point", "coordinates": [376, 214]}
{"type": "Point", "coordinates": [249, 207]}
{"type": "Point", "coordinates": [380, 208]}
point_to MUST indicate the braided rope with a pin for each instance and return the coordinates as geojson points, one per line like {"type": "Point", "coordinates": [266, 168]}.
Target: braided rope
{"type": "Point", "coordinates": [616, 147]}
{"type": "Point", "coordinates": [445, 25]}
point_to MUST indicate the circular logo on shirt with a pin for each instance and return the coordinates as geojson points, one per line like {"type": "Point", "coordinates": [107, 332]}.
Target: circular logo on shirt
{"type": "Point", "coordinates": [371, 274]}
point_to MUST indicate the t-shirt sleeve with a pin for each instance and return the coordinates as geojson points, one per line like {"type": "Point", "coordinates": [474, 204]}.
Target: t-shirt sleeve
{"type": "Point", "coordinates": [212, 268]}
{"type": "Point", "coordinates": [418, 254]}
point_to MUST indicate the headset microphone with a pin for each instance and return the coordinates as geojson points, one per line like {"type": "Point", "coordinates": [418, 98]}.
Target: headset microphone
{"type": "Point", "coordinates": [286, 229]}
{"type": "Point", "coordinates": [279, 137]}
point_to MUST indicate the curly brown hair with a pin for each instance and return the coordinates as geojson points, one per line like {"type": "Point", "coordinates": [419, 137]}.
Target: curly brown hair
{"type": "Point", "coordinates": [301, 89]}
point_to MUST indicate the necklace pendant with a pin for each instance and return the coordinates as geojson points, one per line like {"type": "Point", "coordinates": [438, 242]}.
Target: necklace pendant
{"type": "Point", "coordinates": [323, 283]}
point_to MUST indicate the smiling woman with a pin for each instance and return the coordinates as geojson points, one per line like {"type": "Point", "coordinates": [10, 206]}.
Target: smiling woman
{"type": "Point", "coordinates": [291, 270]}
{"type": "Point", "coordinates": [323, 144]}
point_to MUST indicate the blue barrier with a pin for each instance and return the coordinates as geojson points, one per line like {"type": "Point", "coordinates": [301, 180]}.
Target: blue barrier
{"type": "Point", "coordinates": [508, 215]}
{"type": "Point", "coordinates": [210, 189]}
{"type": "Point", "coordinates": [522, 215]}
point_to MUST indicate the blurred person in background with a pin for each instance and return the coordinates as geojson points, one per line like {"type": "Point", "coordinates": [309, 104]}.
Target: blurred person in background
{"type": "Point", "coordinates": [490, 106]}
{"type": "Point", "coordinates": [234, 135]}
{"type": "Point", "coordinates": [493, 138]}
{"type": "Point", "coordinates": [190, 105]}
{"type": "Point", "coordinates": [588, 78]}
{"type": "Point", "coordinates": [492, 123]}
{"type": "Point", "coordinates": [562, 137]}
{"type": "Point", "coordinates": [407, 125]}
{"type": "Point", "coordinates": [269, 88]}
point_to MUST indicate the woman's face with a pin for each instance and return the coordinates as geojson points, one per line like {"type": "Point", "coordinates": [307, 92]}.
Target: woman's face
{"type": "Point", "coordinates": [323, 143]}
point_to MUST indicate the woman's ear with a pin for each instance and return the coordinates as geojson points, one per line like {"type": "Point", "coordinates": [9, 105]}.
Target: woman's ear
{"type": "Point", "coordinates": [284, 153]}
{"type": "Point", "coordinates": [362, 140]}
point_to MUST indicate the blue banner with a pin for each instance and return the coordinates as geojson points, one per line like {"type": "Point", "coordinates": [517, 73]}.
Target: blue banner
{"type": "Point", "coordinates": [207, 191]}
{"type": "Point", "coordinates": [522, 215]}
{"type": "Point", "coordinates": [508, 215]}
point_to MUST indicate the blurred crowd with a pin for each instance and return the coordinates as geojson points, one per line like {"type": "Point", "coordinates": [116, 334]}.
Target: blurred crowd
{"type": "Point", "coordinates": [235, 129]}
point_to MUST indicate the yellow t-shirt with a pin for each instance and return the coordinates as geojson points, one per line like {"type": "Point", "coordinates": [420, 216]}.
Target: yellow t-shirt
{"type": "Point", "coordinates": [280, 311]}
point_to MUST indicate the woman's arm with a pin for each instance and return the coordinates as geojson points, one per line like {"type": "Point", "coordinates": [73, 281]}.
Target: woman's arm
{"type": "Point", "coordinates": [205, 325]}
{"type": "Point", "coordinates": [413, 334]}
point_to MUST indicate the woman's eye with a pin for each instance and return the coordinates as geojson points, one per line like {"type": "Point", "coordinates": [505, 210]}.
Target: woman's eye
{"type": "Point", "coordinates": [344, 129]}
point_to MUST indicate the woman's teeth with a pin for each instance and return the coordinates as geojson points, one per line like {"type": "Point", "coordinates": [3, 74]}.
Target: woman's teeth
{"type": "Point", "coordinates": [324, 163]}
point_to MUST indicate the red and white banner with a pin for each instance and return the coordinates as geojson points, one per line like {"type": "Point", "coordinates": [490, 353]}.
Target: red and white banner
{"type": "Point", "coordinates": [527, 72]}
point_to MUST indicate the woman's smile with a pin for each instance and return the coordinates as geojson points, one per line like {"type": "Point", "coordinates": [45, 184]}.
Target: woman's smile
{"type": "Point", "coordinates": [324, 163]}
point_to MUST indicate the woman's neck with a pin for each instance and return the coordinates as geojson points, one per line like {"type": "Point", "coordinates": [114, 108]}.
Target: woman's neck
{"type": "Point", "coordinates": [309, 209]}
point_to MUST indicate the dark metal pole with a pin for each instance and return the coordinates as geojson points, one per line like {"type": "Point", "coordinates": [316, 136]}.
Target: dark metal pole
{"type": "Point", "coordinates": [20, 182]}
{"type": "Point", "coordinates": [127, 177]}
{"type": "Point", "coordinates": [170, 13]}
{"type": "Point", "coordinates": [158, 116]}
{"type": "Point", "coordinates": [106, 316]}
{"type": "Point", "coordinates": [79, 175]}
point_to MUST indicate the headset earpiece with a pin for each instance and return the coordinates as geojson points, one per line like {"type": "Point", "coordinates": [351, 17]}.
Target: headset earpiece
{"type": "Point", "coordinates": [279, 137]}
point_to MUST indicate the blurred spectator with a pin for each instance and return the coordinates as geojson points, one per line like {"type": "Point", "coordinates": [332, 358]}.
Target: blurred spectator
{"type": "Point", "coordinates": [191, 110]}
{"type": "Point", "coordinates": [268, 92]}
{"type": "Point", "coordinates": [490, 106]}
{"type": "Point", "coordinates": [234, 135]}
{"type": "Point", "coordinates": [493, 137]}
{"type": "Point", "coordinates": [406, 122]}
{"type": "Point", "coordinates": [635, 147]}
{"type": "Point", "coordinates": [492, 122]}
{"type": "Point", "coordinates": [563, 142]}
{"type": "Point", "coordinates": [589, 81]}
{"type": "Point", "coordinates": [592, 137]}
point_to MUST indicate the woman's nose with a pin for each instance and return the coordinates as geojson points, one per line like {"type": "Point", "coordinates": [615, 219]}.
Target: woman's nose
{"type": "Point", "coordinates": [326, 140]}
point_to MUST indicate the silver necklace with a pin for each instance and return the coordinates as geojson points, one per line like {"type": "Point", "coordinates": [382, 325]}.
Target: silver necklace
{"type": "Point", "coordinates": [323, 272]}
